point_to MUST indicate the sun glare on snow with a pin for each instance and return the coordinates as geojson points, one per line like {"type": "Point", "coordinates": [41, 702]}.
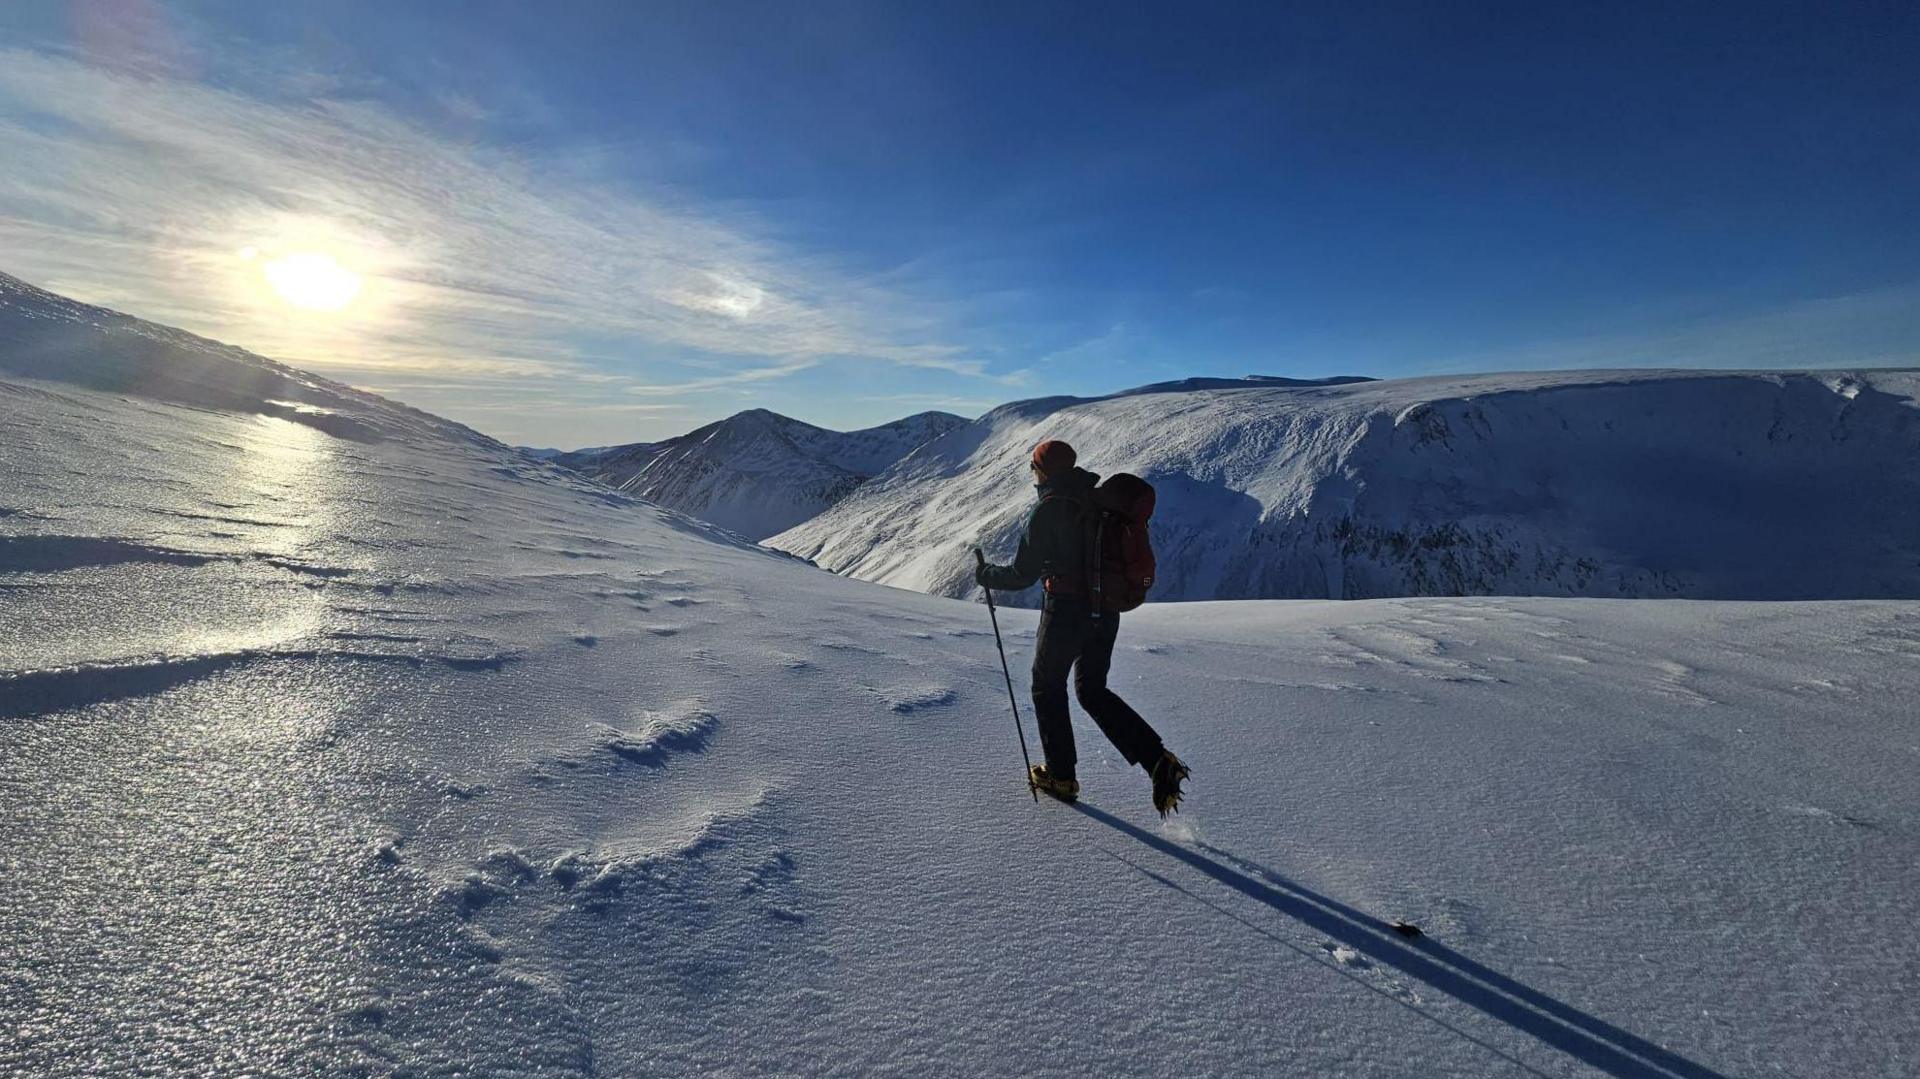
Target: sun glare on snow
{"type": "Point", "coordinates": [311, 280]}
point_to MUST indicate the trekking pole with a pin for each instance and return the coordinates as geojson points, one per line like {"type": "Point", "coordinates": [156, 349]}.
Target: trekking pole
{"type": "Point", "coordinates": [981, 558]}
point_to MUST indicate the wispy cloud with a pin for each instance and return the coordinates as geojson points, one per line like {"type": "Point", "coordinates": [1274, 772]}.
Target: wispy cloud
{"type": "Point", "coordinates": [137, 190]}
{"type": "Point", "coordinates": [965, 406]}
{"type": "Point", "coordinates": [737, 378]}
{"type": "Point", "coordinates": [1107, 344]}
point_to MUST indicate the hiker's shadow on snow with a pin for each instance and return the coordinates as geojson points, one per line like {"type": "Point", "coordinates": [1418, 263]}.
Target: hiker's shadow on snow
{"type": "Point", "coordinates": [1587, 1038]}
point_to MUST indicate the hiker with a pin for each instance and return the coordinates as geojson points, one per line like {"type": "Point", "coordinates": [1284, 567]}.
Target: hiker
{"type": "Point", "coordinates": [1079, 622]}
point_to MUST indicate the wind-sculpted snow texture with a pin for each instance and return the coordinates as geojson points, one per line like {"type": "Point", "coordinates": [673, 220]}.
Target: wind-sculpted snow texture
{"type": "Point", "coordinates": [758, 472]}
{"type": "Point", "coordinates": [384, 750]}
{"type": "Point", "coordinates": [1723, 485]}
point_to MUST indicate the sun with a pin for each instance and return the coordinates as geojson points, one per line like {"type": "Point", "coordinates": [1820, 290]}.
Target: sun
{"type": "Point", "coordinates": [312, 280]}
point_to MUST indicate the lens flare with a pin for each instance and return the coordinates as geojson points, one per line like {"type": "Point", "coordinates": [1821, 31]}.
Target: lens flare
{"type": "Point", "coordinates": [312, 280]}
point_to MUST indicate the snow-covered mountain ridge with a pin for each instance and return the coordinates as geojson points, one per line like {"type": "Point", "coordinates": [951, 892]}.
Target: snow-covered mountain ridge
{"type": "Point", "coordinates": [47, 336]}
{"type": "Point", "coordinates": [758, 472]}
{"type": "Point", "coordinates": [1704, 484]}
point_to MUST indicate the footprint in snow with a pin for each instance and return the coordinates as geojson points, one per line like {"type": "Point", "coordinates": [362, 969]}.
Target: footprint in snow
{"type": "Point", "coordinates": [906, 700]}
{"type": "Point", "coordinates": [1378, 976]}
{"type": "Point", "coordinates": [1345, 955]}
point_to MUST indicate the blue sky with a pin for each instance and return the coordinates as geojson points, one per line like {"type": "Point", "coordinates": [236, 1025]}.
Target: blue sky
{"type": "Point", "coordinates": [578, 223]}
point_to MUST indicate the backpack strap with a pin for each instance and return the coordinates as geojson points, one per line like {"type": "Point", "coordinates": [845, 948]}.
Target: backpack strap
{"type": "Point", "coordinates": [1090, 538]}
{"type": "Point", "coordinates": [1096, 568]}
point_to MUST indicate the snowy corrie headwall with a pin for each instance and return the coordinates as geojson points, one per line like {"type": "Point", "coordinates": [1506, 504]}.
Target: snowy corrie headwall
{"type": "Point", "coordinates": [1713, 485]}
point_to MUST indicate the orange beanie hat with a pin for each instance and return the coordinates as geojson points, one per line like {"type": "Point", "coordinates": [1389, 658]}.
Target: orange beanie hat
{"type": "Point", "coordinates": [1053, 457]}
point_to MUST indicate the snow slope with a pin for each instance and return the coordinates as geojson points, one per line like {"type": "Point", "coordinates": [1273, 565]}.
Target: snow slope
{"type": "Point", "coordinates": [1722, 485]}
{"type": "Point", "coordinates": [375, 747]}
{"type": "Point", "coordinates": [44, 336]}
{"type": "Point", "coordinates": [758, 472]}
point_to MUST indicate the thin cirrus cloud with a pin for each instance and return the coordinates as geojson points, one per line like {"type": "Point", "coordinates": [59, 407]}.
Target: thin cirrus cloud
{"type": "Point", "coordinates": [481, 270]}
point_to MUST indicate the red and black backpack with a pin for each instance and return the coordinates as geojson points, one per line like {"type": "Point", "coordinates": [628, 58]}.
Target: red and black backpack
{"type": "Point", "coordinates": [1119, 551]}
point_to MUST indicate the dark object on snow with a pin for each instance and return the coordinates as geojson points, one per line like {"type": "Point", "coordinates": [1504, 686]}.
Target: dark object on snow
{"type": "Point", "coordinates": [1077, 631]}
{"type": "Point", "coordinates": [980, 557]}
{"type": "Point", "coordinates": [1406, 929]}
{"type": "Point", "coordinates": [1067, 790]}
{"type": "Point", "coordinates": [1071, 640]}
{"type": "Point", "coordinates": [1168, 773]}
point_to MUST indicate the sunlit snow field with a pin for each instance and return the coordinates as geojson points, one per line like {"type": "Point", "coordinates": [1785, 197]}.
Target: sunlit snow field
{"type": "Point", "coordinates": [346, 741]}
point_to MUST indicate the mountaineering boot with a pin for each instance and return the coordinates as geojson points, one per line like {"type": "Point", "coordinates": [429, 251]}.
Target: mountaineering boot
{"type": "Point", "coordinates": [1064, 789]}
{"type": "Point", "coordinates": [1167, 773]}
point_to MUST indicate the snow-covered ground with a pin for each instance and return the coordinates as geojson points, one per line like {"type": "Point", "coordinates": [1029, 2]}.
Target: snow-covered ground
{"type": "Point", "coordinates": [1695, 484]}
{"type": "Point", "coordinates": [758, 472]}
{"type": "Point", "coordinates": [359, 744]}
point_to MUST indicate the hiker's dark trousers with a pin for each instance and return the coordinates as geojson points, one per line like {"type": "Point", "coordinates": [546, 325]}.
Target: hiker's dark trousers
{"type": "Point", "coordinates": [1070, 639]}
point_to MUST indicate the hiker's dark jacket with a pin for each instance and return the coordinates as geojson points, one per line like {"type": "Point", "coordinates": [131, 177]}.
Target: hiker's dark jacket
{"type": "Point", "coordinates": [1069, 638]}
{"type": "Point", "coordinates": [1054, 546]}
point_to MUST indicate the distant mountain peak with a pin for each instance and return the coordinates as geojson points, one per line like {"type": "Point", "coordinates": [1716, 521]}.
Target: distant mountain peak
{"type": "Point", "coordinates": [757, 471]}
{"type": "Point", "coordinates": [761, 415]}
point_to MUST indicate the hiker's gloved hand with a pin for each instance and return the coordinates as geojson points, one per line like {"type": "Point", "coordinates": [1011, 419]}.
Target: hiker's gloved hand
{"type": "Point", "coordinates": [980, 575]}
